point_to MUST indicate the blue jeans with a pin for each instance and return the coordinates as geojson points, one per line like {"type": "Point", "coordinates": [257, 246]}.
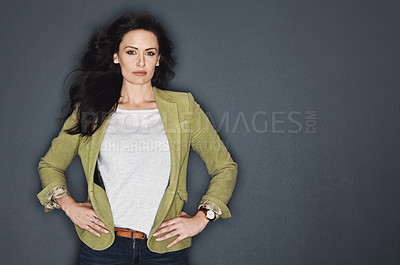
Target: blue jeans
{"type": "Point", "coordinates": [129, 251]}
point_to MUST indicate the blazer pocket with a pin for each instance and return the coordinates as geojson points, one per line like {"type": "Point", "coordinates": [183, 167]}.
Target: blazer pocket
{"type": "Point", "coordinates": [183, 195]}
{"type": "Point", "coordinates": [179, 200]}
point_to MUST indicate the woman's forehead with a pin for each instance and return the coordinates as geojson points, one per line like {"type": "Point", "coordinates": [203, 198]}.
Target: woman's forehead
{"type": "Point", "coordinates": [139, 38]}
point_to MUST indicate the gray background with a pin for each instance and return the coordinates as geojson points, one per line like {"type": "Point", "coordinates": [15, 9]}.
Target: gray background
{"type": "Point", "coordinates": [304, 94]}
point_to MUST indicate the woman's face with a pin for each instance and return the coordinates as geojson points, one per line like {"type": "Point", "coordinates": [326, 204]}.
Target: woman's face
{"type": "Point", "coordinates": [138, 56]}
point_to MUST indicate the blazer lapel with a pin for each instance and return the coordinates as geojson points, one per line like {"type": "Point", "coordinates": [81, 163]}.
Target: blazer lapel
{"type": "Point", "coordinates": [168, 110]}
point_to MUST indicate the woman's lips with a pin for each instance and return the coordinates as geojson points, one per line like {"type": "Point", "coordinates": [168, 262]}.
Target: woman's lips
{"type": "Point", "coordinates": [140, 73]}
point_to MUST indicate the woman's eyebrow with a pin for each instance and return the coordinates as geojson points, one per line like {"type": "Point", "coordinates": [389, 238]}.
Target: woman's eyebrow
{"type": "Point", "coordinates": [133, 47]}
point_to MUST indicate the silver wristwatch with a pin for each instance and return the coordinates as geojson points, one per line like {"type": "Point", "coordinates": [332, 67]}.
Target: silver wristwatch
{"type": "Point", "coordinates": [210, 214]}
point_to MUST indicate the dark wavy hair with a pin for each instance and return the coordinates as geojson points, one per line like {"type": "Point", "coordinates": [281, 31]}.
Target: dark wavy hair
{"type": "Point", "coordinates": [96, 88]}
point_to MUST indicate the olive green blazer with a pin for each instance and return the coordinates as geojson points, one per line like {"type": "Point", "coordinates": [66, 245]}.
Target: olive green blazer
{"type": "Point", "coordinates": [186, 126]}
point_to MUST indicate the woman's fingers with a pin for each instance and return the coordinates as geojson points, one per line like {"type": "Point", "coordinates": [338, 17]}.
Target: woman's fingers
{"type": "Point", "coordinates": [83, 215]}
{"type": "Point", "coordinates": [99, 228]}
{"type": "Point", "coordinates": [167, 223]}
{"type": "Point", "coordinates": [166, 227]}
{"type": "Point", "coordinates": [91, 230]}
{"type": "Point", "coordinates": [178, 239]}
{"type": "Point", "coordinates": [165, 230]}
{"type": "Point", "coordinates": [183, 227]}
{"type": "Point", "coordinates": [99, 225]}
{"type": "Point", "coordinates": [169, 235]}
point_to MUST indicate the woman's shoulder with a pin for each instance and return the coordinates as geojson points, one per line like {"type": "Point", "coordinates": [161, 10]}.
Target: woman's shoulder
{"type": "Point", "coordinates": [172, 95]}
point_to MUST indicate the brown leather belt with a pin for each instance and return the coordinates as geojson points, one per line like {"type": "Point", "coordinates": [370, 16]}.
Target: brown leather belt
{"type": "Point", "coordinates": [129, 233]}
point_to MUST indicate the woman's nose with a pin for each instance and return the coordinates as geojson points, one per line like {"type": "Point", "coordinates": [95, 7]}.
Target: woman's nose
{"type": "Point", "coordinates": [140, 61]}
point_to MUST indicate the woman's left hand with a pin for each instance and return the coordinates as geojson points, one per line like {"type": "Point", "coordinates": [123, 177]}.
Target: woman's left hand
{"type": "Point", "coordinates": [184, 226]}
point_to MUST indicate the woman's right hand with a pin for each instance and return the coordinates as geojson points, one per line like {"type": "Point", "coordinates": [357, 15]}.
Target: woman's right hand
{"type": "Point", "coordinates": [83, 215]}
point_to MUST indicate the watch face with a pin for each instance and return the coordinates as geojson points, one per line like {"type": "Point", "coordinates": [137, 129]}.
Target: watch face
{"type": "Point", "coordinates": [210, 214]}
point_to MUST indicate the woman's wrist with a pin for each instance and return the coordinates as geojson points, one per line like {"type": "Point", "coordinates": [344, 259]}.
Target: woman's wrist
{"type": "Point", "coordinates": [202, 217]}
{"type": "Point", "coordinates": [65, 202]}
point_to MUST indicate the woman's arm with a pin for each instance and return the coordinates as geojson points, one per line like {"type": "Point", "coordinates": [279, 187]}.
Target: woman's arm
{"type": "Point", "coordinates": [223, 171]}
{"type": "Point", "coordinates": [208, 145]}
{"type": "Point", "coordinates": [54, 163]}
{"type": "Point", "coordinates": [55, 194]}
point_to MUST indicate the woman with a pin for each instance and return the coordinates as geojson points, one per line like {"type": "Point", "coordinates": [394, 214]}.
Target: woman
{"type": "Point", "coordinates": [133, 139]}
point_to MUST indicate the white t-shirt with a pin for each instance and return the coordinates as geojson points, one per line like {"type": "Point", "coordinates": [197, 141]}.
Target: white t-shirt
{"type": "Point", "coordinates": [135, 165]}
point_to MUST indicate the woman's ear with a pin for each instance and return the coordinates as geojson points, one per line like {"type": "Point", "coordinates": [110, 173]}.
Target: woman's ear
{"type": "Point", "coordinates": [115, 58]}
{"type": "Point", "coordinates": [158, 60]}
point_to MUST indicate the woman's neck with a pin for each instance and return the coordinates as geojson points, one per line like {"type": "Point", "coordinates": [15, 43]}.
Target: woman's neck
{"type": "Point", "coordinates": [136, 95]}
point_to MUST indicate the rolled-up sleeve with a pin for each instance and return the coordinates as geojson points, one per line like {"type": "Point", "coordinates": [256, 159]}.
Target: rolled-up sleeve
{"type": "Point", "coordinates": [55, 193]}
{"type": "Point", "coordinates": [206, 142]}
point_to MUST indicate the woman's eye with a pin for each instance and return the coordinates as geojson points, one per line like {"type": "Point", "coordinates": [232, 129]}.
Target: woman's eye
{"type": "Point", "coordinates": [151, 53]}
{"type": "Point", "coordinates": [131, 52]}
